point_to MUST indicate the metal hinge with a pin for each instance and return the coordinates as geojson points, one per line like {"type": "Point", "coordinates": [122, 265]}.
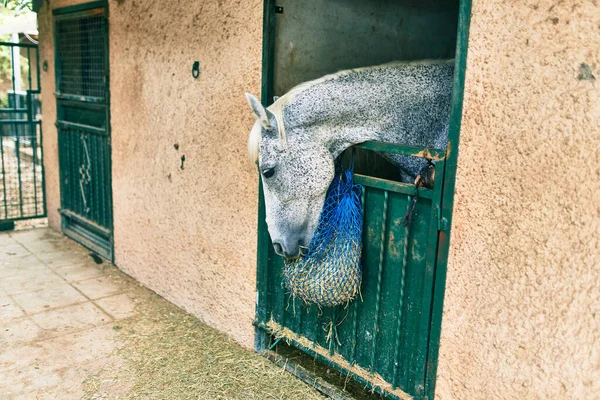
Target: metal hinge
{"type": "Point", "coordinates": [442, 221]}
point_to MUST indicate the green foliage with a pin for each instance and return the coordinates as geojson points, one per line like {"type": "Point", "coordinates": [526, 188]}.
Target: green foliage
{"type": "Point", "coordinates": [4, 59]}
{"type": "Point", "coordinates": [18, 6]}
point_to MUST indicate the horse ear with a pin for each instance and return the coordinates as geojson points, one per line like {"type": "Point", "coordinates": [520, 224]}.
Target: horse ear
{"type": "Point", "coordinates": [258, 110]}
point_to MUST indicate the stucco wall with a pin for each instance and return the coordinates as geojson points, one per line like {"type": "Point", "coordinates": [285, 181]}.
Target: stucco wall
{"type": "Point", "coordinates": [522, 308]}
{"type": "Point", "coordinates": [188, 234]}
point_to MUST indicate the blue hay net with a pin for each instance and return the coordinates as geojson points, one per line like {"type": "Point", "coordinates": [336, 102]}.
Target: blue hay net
{"type": "Point", "coordinates": [330, 272]}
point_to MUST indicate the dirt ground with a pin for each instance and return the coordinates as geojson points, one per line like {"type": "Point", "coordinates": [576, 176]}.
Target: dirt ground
{"type": "Point", "coordinates": [71, 328]}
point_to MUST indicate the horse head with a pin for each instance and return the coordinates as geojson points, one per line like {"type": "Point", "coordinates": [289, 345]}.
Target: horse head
{"type": "Point", "coordinates": [296, 172]}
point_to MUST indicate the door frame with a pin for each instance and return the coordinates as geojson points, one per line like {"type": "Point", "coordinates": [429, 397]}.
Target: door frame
{"type": "Point", "coordinates": [74, 11]}
{"type": "Point", "coordinates": [261, 341]}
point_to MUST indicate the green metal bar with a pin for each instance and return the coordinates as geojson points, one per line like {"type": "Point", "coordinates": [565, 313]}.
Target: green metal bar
{"type": "Point", "coordinates": [19, 177]}
{"type": "Point", "coordinates": [418, 363]}
{"type": "Point", "coordinates": [75, 97]}
{"type": "Point", "coordinates": [17, 134]}
{"type": "Point", "coordinates": [355, 303]}
{"type": "Point", "coordinates": [96, 200]}
{"type": "Point", "coordinates": [314, 314]}
{"type": "Point", "coordinates": [306, 376]}
{"type": "Point", "coordinates": [423, 152]}
{"type": "Point", "coordinates": [3, 178]}
{"type": "Point", "coordinates": [99, 174]}
{"type": "Point", "coordinates": [12, 110]}
{"type": "Point", "coordinates": [282, 305]}
{"type": "Point", "coordinates": [72, 198]}
{"type": "Point", "coordinates": [24, 218]}
{"type": "Point", "coordinates": [44, 204]}
{"type": "Point", "coordinates": [85, 128]}
{"type": "Point", "coordinates": [37, 70]}
{"type": "Point", "coordinates": [401, 300]}
{"type": "Point", "coordinates": [346, 371]}
{"type": "Point", "coordinates": [91, 224]}
{"type": "Point", "coordinates": [76, 145]}
{"type": "Point", "coordinates": [32, 131]}
{"type": "Point", "coordinates": [71, 10]}
{"type": "Point", "coordinates": [299, 316]}
{"type": "Point", "coordinates": [332, 337]}
{"type": "Point", "coordinates": [61, 165]}
{"type": "Point", "coordinates": [263, 240]}
{"type": "Point", "coordinates": [108, 157]}
{"type": "Point", "coordinates": [34, 144]}
{"type": "Point", "coordinates": [11, 44]}
{"type": "Point", "coordinates": [449, 182]}
{"type": "Point", "coordinates": [106, 183]}
{"type": "Point", "coordinates": [29, 67]}
{"type": "Point", "coordinates": [19, 122]}
{"type": "Point", "coordinates": [6, 226]}
{"type": "Point", "coordinates": [354, 329]}
{"type": "Point", "coordinates": [379, 275]}
{"type": "Point", "coordinates": [392, 186]}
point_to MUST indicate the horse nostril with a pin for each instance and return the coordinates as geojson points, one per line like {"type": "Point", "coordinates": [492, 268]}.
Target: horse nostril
{"type": "Point", "coordinates": [278, 248]}
{"type": "Point", "coordinates": [303, 250]}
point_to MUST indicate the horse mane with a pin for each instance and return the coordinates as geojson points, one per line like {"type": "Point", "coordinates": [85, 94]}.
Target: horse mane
{"type": "Point", "coordinates": [254, 142]}
{"type": "Point", "coordinates": [277, 107]}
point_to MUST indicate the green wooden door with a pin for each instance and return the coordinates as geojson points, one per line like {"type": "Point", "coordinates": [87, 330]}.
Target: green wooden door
{"type": "Point", "coordinates": [387, 339]}
{"type": "Point", "coordinates": [82, 97]}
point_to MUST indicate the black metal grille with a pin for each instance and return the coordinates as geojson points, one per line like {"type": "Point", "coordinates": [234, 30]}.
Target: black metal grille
{"type": "Point", "coordinates": [81, 56]}
{"type": "Point", "coordinates": [21, 166]}
{"type": "Point", "coordinates": [22, 183]}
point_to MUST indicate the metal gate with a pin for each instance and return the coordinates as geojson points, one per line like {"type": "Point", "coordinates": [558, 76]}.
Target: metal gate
{"type": "Point", "coordinates": [21, 159]}
{"type": "Point", "coordinates": [82, 97]}
{"type": "Point", "coordinates": [387, 339]}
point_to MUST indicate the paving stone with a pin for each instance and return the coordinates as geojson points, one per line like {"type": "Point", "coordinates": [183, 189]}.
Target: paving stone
{"type": "Point", "coordinates": [13, 251]}
{"type": "Point", "coordinates": [31, 235]}
{"type": "Point", "coordinates": [71, 318]}
{"type": "Point", "coordinates": [40, 248]}
{"type": "Point", "coordinates": [9, 310]}
{"type": "Point", "coordinates": [79, 272]}
{"type": "Point", "coordinates": [96, 288]}
{"type": "Point", "coordinates": [61, 258]}
{"type": "Point", "coordinates": [53, 297]}
{"type": "Point", "coordinates": [22, 330]}
{"type": "Point", "coordinates": [57, 353]}
{"type": "Point", "coordinates": [8, 265]}
{"type": "Point", "coordinates": [28, 265]}
{"type": "Point", "coordinates": [27, 384]}
{"type": "Point", "coordinates": [29, 280]}
{"type": "Point", "coordinates": [6, 240]}
{"type": "Point", "coordinates": [120, 306]}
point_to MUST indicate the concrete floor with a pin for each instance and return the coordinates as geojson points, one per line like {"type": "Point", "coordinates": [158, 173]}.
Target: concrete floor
{"type": "Point", "coordinates": [57, 312]}
{"type": "Point", "coordinates": [71, 328]}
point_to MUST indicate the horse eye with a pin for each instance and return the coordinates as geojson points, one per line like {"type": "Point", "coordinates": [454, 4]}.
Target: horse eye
{"type": "Point", "coordinates": [267, 173]}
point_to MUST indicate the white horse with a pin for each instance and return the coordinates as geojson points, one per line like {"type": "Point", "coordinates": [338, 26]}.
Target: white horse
{"type": "Point", "coordinates": [296, 140]}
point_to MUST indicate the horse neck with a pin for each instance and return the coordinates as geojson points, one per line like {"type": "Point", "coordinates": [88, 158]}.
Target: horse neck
{"type": "Point", "coordinates": [339, 140]}
{"type": "Point", "coordinates": [341, 122]}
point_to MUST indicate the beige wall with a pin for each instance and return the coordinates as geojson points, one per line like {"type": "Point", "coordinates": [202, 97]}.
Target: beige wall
{"type": "Point", "coordinates": [522, 308]}
{"type": "Point", "coordinates": [189, 234]}
{"type": "Point", "coordinates": [522, 302]}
